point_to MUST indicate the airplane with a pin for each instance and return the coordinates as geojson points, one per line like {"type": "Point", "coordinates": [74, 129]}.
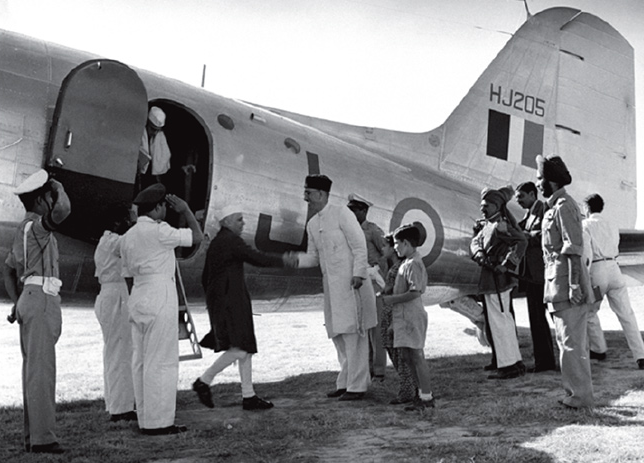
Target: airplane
{"type": "Point", "coordinates": [563, 84]}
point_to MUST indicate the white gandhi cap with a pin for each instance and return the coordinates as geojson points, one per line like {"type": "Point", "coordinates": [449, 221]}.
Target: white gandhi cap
{"type": "Point", "coordinates": [230, 209]}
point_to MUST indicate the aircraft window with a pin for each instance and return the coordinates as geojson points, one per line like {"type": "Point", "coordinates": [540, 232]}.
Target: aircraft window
{"type": "Point", "coordinates": [226, 122]}
{"type": "Point", "coordinates": [292, 145]}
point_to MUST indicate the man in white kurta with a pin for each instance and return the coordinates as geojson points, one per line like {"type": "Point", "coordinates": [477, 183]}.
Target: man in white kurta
{"type": "Point", "coordinates": [112, 314]}
{"type": "Point", "coordinates": [147, 250]}
{"type": "Point", "coordinates": [337, 244]}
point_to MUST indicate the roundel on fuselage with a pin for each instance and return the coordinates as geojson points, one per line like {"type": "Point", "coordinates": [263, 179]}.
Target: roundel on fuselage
{"type": "Point", "coordinates": [417, 210]}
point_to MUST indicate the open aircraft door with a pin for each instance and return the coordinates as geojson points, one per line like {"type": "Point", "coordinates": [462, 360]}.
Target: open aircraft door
{"type": "Point", "coordinates": [94, 141]}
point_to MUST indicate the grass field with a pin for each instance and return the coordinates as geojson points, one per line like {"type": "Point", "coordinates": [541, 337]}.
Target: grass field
{"type": "Point", "coordinates": [476, 420]}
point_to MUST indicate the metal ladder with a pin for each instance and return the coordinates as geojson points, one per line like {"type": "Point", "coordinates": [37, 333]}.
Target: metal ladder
{"type": "Point", "coordinates": [186, 325]}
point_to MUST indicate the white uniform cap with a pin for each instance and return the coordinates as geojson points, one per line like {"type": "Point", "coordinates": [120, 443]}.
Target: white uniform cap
{"type": "Point", "coordinates": [230, 209]}
{"type": "Point", "coordinates": [32, 183]}
{"type": "Point", "coordinates": [359, 199]}
{"type": "Point", "coordinates": [157, 117]}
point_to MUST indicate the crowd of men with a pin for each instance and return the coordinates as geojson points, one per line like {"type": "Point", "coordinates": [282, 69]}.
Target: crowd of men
{"type": "Point", "coordinates": [564, 263]}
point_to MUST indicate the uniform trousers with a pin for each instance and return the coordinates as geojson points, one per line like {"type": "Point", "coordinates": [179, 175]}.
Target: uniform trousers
{"type": "Point", "coordinates": [607, 276]}
{"type": "Point", "coordinates": [377, 352]}
{"type": "Point", "coordinates": [502, 328]}
{"type": "Point", "coordinates": [245, 369]}
{"type": "Point", "coordinates": [155, 339]}
{"type": "Point", "coordinates": [571, 326]}
{"type": "Point", "coordinates": [112, 314]}
{"type": "Point", "coordinates": [353, 356]}
{"type": "Point", "coordinates": [40, 322]}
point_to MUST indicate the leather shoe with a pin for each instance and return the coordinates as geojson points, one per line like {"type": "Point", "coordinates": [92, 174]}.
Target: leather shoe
{"type": "Point", "coordinates": [54, 447]}
{"type": "Point", "coordinates": [174, 429]}
{"type": "Point", "coordinates": [203, 392]}
{"type": "Point", "coordinates": [352, 396]}
{"type": "Point", "coordinates": [256, 403]}
{"type": "Point", "coordinates": [513, 371]}
{"type": "Point", "coordinates": [490, 367]}
{"type": "Point", "coordinates": [640, 364]}
{"type": "Point", "coordinates": [127, 416]}
{"type": "Point", "coordinates": [336, 393]}
{"type": "Point", "coordinates": [419, 405]}
{"type": "Point", "coordinates": [597, 355]}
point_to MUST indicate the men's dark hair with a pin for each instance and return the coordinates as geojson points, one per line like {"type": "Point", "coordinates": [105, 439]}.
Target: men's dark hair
{"type": "Point", "coordinates": [143, 209]}
{"type": "Point", "coordinates": [528, 187]}
{"type": "Point", "coordinates": [595, 203]}
{"type": "Point", "coordinates": [409, 233]}
{"type": "Point", "coordinates": [117, 216]}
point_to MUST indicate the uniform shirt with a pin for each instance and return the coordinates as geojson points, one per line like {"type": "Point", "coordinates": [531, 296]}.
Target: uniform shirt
{"type": "Point", "coordinates": [375, 241]}
{"type": "Point", "coordinates": [107, 258]}
{"type": "Point", "coordinates": [604, 237]}
{"type": "Point", "coordinates": [148, 247]}
{"type": "Point", "coordinates": [562, 236]}
{"type": "Point", "coordinates": [42, 250]}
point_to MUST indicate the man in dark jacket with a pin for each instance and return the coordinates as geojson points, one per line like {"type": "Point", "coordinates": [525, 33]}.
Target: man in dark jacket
{"type": "Point", "coordinates": [531, 271]}
{"type": "Point", "coordinates": [229, 306]}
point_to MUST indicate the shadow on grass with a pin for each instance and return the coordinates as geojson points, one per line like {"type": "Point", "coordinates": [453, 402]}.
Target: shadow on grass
{"type": "Point", "coordinates": [476, 419]}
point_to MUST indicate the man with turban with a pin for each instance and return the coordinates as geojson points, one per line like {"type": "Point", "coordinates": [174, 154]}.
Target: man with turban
{"type": "Point", "coordinates": [147, 250]}
{"type": "Point", "coordinates": [229, 306]}
{"type": "Point", "coordinates": [337, 244]}
{"type": "Point", "coordinates": [567, 285]}
{"type": "Point", "coordinates": [498, 246]}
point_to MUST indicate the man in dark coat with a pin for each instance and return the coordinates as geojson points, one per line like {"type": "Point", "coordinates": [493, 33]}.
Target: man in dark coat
{"type": "Point", "coordinates": [229, 306]}
{"type": "Point", "coordinates": [531, 270]}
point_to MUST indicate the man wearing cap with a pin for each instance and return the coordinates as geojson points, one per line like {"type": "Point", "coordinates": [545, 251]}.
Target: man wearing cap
{"type": "Point", "coordinates": [147, 250]}
{"type": "Point", "coordinates": [531, 271]}
{"type": "Point", "coordinates": [377, 269]}
{"type": "Point", "coordinates": [606, 275]}
{"type": "Point", "coordinates": [154, 152]}
{"type": "Point", "coordinates": [567, 286]}
{"type": "Point", "coordinates": [498, 247]}
{"type": "Point", "coordinates": [337, 244]}
{"type": "Point", "coordinates": [229, 305]}
{"type": "Point", "coordinates": [32, 281]}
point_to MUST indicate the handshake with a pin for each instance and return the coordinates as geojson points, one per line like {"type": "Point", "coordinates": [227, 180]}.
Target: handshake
{"type": "Point", "coordinates": [290, 259]}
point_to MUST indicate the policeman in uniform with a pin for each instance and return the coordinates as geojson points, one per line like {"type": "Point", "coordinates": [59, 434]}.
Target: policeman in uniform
{"type": "Point", "coordinates": [377, 270]}
{"type": "Point", "coordinates": [147, 250]}
{"type": "Point", "coordinates": [32, 282]}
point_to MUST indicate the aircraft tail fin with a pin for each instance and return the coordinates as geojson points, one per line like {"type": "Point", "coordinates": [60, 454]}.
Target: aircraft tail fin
{"type": "Point", "coordinates": [563, 84]}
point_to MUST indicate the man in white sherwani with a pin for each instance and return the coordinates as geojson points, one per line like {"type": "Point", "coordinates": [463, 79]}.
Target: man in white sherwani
{"type": "Point", "coordinates": [147, 250]}
{"type": "Point", "coordinates": [337, 244]}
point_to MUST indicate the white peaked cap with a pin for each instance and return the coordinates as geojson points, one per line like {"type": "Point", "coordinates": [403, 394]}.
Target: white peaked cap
{"type": "Point", "coordinates": [32, 183]}
{"type": "Point", "coordinates": [230, 209]}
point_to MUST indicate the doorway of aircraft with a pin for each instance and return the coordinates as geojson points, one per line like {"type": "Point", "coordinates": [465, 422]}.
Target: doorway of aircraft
{"type": "Point", "coordinates": [94, 140]}
{"type": "Point", "coordinates": [189, 145]}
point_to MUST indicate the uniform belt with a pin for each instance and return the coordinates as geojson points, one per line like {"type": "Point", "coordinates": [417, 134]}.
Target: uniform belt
{"type": "Point", "coordinates": [34, 280]}
{"type": "Point", "coordinates": [153, 277]}
{"type": "Point", "coordinates": [603, 259]}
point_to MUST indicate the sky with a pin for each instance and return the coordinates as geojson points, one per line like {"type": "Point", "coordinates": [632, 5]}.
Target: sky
{"type": "Point", "coordinates": [393, 64]}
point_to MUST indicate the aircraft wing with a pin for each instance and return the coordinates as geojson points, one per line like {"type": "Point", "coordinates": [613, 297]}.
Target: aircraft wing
{"type": "Point", "coordinates": [631, 256]}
